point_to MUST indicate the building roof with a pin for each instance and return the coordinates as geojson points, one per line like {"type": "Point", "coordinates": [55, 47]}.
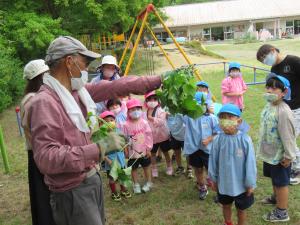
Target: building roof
{"type": "Point", "coordinates": [229, 11]}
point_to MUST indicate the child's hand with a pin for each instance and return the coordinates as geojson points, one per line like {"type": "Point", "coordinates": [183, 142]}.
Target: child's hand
{"type": "Point", "coordinates": [285, 162]}
{"type": "Point", "coordinates": [214, 186]}
{"type": "Point", "coordinates": [108, 160]}
{"type": "Point", "coordinates": [206, 141]}
{"type": "Point", "coordinates": [249, 191]}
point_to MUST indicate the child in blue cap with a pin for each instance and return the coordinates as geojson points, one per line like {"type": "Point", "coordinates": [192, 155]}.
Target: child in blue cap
{"type": "Point", "coordinates": [233, 86]}
{"type": "Point", "coordinates": [197, 142]}
{"type": "Point", "coordinates": [277, 144]}
{"type": "Point", "coordinates": [232, 166]}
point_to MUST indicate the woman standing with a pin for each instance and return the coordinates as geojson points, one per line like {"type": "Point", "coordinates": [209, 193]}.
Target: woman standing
{"type": "Point", "coordinates": [39, 192]}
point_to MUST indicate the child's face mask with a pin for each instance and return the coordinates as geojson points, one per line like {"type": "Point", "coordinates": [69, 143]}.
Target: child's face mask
{"type": "Point", "coordinates": [112, 125]}
{"type": "Point", "coordinates": [152, 104]}
{"type": "Point", "coordinates": [136, 114]}
{"type": "Point", "coordinates": [271, 97]}
{"type": "Point", "coordinates": [229, 126]}
{"type": "Point", "coordinates": [235, 74]}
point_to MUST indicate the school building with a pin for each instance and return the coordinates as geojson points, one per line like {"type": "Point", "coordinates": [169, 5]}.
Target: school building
{"type": "Point", "coordinates": [227, 20]}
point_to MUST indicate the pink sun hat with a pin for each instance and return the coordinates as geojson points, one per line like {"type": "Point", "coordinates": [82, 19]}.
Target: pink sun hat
{"type": "Point", "coordinates": [106, 114]}
{"type": "Point", "coordinates": [133, 103]}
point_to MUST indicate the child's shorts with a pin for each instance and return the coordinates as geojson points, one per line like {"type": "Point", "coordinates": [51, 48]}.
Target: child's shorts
{"type": "Point", "coordinates": [175, 144]}
{"type": "Point", "coordinates": [242, 201]}
{"type": "Point", "coordinates": [199, 159]}
{"type": "Point", "coordinates": [279, 175]}
{"type": "Point", "coordinates": [164, 146]}
{"type": "Point", "coordinates": [143, 161]}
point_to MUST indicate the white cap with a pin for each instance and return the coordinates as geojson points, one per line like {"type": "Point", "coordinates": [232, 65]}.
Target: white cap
{"type": "Point", "coordinates": [34, 68]}
{"type": "Point", "coordinates": [109, 59]}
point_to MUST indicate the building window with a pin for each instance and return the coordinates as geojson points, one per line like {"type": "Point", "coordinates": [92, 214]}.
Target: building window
{"type": "Point", "coordinates": [289, 27]}
{"type": "Point", "coordinates": [228, 33]}
{"type": "Point", "coordinates": [297, 26]}
{"type": "Point", "coordinates": [206, 34]}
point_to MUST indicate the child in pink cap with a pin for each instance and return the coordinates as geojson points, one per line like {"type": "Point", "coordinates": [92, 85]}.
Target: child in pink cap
{"type": "Point", "coordinates": [157, 119]}
{"type": "Point", "coordinates": [109, 117]}
{"type": "Point", "coordinates": [138, 130]}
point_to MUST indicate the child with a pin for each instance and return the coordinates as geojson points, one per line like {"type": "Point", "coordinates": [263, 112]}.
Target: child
{"type": "Point", "coordinates": [139, 131]}
{"type": "Point", "coordinates": [157, 119]}
{"type": "Point", "coordinates": [197, 143]}
{"type": "Point", "coordinates": [277, 145]}
{"type": "Point", "coordinates": [115, 106]}
{"type": "Point", "coordinates": [118, 155]}
{"type": "Point", "coordinates": [233, 86]}
{"type": "Point", "coordinates": [232, 166]}
{"type": "Point", "coordinates": [177, 130]}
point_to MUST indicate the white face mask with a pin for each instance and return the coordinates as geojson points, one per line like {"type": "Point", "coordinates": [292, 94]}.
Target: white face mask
{"type": "Point", "coordinates": [136, 114]}
{"type": "Point", "coordinates": [235, 74]}
{"type": "Point", "coordinates": [152, 104]}
{"type": "Point", "coordinates": [108, 73]}
{"type": "Point", "coordinates": [116, 111]}
{"type": "Point", "coordinates": [270, 59]}
{"type": "Point", "coordinates": [79, 82]}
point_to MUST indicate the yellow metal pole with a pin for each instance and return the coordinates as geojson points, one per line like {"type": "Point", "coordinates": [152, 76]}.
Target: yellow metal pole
{"type": "Point", "coordinates": [128, 43]}
{"type": "Point", "coordinates": [136, 44]}
{"type": "Point", "coordinates": [159, 45]}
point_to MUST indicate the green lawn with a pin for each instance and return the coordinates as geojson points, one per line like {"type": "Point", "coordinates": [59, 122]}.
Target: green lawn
{"type": "Point", "coordinates": [173, 200]}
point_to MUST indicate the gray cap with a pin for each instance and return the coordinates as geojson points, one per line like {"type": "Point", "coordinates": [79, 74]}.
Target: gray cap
{"type": "Point", "coordinates": [66, 45]}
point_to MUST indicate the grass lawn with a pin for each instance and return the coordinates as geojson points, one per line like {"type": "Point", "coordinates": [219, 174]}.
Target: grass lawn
{"type": "Point", "coordinates": [173, 200]}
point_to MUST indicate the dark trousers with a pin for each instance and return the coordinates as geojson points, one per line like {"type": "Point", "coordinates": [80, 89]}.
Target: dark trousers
{"type": "Point", "coordinates": [41, 212]}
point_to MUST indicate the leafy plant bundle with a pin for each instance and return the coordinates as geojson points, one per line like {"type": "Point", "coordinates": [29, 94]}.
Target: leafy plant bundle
{"type": "Point", "coordinates": [178, 91]}
{"type": "Point", "coordinates": [100, 132]}
{"type": "Point", "coordinates": [122, 175]}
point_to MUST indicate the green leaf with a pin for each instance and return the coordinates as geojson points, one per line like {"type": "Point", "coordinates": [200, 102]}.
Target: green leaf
{"type": "Point", "coordinates": [115, 166]}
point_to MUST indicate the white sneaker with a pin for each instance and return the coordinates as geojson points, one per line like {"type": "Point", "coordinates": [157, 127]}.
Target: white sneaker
{"type": "Point", "coordinates": [147, 187]}
{"type": "Point", "coordinates": [137, 188]}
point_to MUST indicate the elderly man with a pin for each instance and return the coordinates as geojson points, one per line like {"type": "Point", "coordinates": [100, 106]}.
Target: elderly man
{"type": "Point", "coordinates": [61, 137]}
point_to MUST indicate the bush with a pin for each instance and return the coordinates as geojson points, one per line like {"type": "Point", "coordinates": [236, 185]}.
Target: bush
{"type": "Point", "coordinates": [11, 82]}
{"type": "Point", "coordinates": [248, 38]}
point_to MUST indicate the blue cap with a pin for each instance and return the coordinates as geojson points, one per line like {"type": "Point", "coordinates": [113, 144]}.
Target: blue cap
{"type": "Point", "coordinates": [234, 65]}
{"type": "Point", "coordinates": [202, 83]}
{"type": "Point", "coordinates": [231, 109]}
{"type": "Point", "coordinates": [284, 81]}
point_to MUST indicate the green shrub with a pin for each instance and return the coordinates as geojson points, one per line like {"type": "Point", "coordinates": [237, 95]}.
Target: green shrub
{"type": "Point", "coordinates": [247, 38]}
{"type": "Point", "coordinates": [11, 81]}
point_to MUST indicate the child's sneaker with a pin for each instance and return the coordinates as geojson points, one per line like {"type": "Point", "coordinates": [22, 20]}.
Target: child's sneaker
{"type": "Point", "coordinates": [147, 187]}
{"type": "Point", "coordinates": [189, 173]}
{"type": "Point", "coordinates": [277, 215]}
{"type": "Point", "coordinates": [126, 194]}
{"type": "Point", "coordinates": [169, 170]}
{"type": "Point", "coordinates": [137, 189]}
{"type": "Point", "coordinates": [179, 171]}
{"type": "Point", "coordinates": [154, 172]}
{"type": "Point", "coordinates": [116, 197]}
{"type": "Point", "coordinates": [203, 192]}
